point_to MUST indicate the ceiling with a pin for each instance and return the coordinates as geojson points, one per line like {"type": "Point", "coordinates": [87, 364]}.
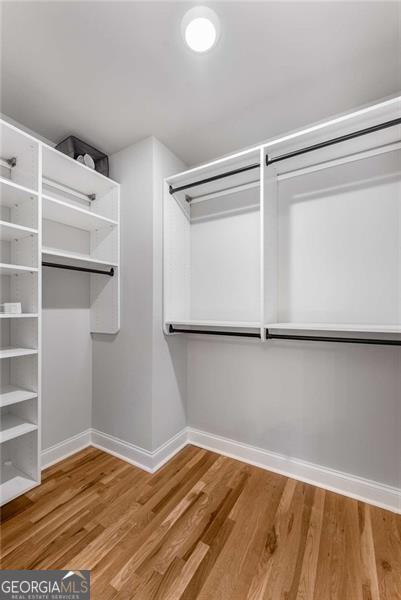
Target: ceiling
{"type": "Point", "coordinates": [116, 72]}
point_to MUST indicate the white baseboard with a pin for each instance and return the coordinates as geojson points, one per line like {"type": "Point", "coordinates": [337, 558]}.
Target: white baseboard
{"type": "Point", "coordinates": [66, 448]}
{"type": "Point", "coordinates": [345, 484]}
{"type": "Point", "coordinates": [144, 459]}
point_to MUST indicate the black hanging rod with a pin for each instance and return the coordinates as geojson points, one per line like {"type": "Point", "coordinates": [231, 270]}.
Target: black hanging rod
{"type": "Point", "coordinates": [172, 329]}
{"type": "Point", "coordinates": [320, 338]}
{"type": "Point", "coordinates": [337, 140]}
{"type": "Point", "coordinates": [173, 190]}
{"type": "Point", "coordinates": [73, 268]}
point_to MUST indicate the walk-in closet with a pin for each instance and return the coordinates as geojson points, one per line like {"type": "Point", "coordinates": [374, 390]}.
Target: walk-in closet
{"type": "Point", "coordinates": [200, 300]}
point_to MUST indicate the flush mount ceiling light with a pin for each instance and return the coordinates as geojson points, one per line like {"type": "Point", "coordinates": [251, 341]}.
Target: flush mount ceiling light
{"type": "Point", "coordinates": [200, 28]}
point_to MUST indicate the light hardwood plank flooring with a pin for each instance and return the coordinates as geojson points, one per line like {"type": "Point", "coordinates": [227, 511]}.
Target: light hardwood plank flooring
{"type": "Point", "coordinates": [204, 527]}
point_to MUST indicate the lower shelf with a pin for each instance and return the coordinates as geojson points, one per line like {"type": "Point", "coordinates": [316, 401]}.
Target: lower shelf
{"type": "Point", "coordinates": [11, 352]}
{"type": "Point", "coordinates": [226, 328]}
{"type": "Point", "coordinates": [340, 327]}
{"type": "Point", "coordinates": [12, 394]}
{"type": "Point", "coordinates": [14, 483]}
{"type": "Point", "coordinates": [12, 427]}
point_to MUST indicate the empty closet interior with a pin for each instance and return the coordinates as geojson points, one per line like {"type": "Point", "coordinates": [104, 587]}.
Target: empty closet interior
{"type": "Point", "coordinates": [297, 238]}
{"type": "Point", "coordinates": [55, 214]}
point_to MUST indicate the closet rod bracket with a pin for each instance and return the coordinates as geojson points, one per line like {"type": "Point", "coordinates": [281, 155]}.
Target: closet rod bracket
{"type": "Point", "coordinates": [8, 163]}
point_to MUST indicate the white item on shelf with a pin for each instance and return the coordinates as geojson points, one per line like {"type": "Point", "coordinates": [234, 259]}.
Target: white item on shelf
{"type": "Point", "coordinates": [88, 161]}
{"type": "Point", "coordinates": [11, 308]}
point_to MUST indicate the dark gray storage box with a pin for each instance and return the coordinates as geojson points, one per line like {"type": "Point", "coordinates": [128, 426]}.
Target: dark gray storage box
{"type": "Point", "coordinates": [73, 147]}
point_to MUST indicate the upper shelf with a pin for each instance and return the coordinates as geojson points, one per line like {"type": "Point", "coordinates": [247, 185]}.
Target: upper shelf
{"type": "Point", "coordinates": [13, 194]}
{"type": "Point", "coordinates": [75, 259]}
{"type": "Point", "coordinates": [19, 156]}
{"type": "Point", "coordinates": [74, 216]}
{"type": "Point", "coordinates": [11, 231]}
{"type": "Point", "coordinates": [8, 269]}
{"type": "Point", "coordinates": [66, 171]}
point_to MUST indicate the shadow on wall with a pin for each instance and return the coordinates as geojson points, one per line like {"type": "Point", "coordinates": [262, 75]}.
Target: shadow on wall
{"type": "Point", "coordinates": [65, 289]}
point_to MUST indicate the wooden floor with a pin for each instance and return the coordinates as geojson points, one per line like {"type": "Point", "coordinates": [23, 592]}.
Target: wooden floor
{"type": "Point", "coordinates": [203, 527]}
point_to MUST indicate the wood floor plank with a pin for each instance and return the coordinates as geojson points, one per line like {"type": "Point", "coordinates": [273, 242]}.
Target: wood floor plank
{"type": "Point", "coordinates": [205, 527]}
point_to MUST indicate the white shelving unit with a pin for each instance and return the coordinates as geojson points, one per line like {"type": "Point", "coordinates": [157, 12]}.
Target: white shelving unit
{"type": "Point", "coordinates": [81, 212]}
{"type": "Point", "coordinates": [212, 248]}
{"type": "Point", "coordinates": [306, 243]}
{"type": "Point", "coordinates": [20, 274]}
{"type": "Point", "coordinates": [54, 210]}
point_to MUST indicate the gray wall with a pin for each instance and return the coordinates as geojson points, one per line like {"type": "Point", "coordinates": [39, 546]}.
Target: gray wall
{"type": "Point", "coordinates": [169, 353]}
{"type": "Point", "coordinates": [122, 364]}
{"type": "Point", "coordinates": [335, 405]}
{"type": "Point", "coordinates": [66, 356]}
{"type": "Point", "coordinates": [139, 379]}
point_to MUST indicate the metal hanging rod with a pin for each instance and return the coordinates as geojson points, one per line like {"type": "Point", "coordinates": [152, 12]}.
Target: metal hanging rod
{"type": "Point", "coordinates": [270, 161]}
{"type": "Point", "coordinates": [337, 140]}
{"type": "Point", "coordinates": [68, 190]}
{"type": "Point", "coordinates": [319, 338]}
{"type": "Point", "coordinates": [173, 190]}
{"type": "Point", "coordinates": [172, 329]}
{"type": "Point", "coordinates": [8, 163]}
{"type": "Point", "coordinates": [83, 269]}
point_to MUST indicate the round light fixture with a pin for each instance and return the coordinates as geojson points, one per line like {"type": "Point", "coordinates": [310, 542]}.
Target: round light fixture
{"type": "Point", "coordinates": [200, 28]}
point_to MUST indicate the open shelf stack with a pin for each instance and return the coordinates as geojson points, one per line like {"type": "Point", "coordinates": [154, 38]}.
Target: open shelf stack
{"type": "Point", "coordinates": [20, 331]}
{"type": "Point", "coordinates": [80, 212]}
{"type": "Point", "coordinates": [298, 238]}
{"type": "Point", "coordinates": [56, 212]}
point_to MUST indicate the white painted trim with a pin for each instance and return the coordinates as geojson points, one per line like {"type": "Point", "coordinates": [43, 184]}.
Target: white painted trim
{"type": "Point", "coordinates": [368, 491]}
{"type": "Point", "coordinates": [149, 461]}
{"type": "Point", "coordinates": [64, 449]}
{"type": "Point", "coordinates": [365, 490]}
{"type": "Point", "coordinates": [139, 457]}
{"type": "Point", "coordinates": [166, 451]}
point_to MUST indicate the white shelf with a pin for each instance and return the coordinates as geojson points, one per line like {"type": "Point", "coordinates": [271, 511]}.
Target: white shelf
{"type": "Point", "coordinates": [7, 269]}
{"type": "Point", "coordinates": [12, 194]}
{"type": "Point", "coordinates": [14, 483]}
{"type": "Point", "coordinates": [18, 316]}
{"type": "Point", "coordinates": [10, 231]}
{"type": "Point", "coordinates": [11, 394]}
{"type": "Point", "coordinates": [340, 327]}
{"type": "Point", "coordinates": [216, 324]}
{"type": "Point", "coordinates": [12, 427]}
{"type": "Point", "coordinates": [74, 216]}
{"type": "Point", "coordinates": [11, 352]}
{"type": "Point", "coordinates": [81, 260]}
{"type": "Point", "coordinates": [66, 171]}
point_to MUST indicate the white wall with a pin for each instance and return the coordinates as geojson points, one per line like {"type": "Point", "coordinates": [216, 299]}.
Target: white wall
{"type": "Point", "coordinates": [122, 364]}
{"type": "Point", "coordinates": [139, 378]}
{"type": "Point", "coordinates": [66, 356]}
{"type": "Point", "coordinates": [335, 405]}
